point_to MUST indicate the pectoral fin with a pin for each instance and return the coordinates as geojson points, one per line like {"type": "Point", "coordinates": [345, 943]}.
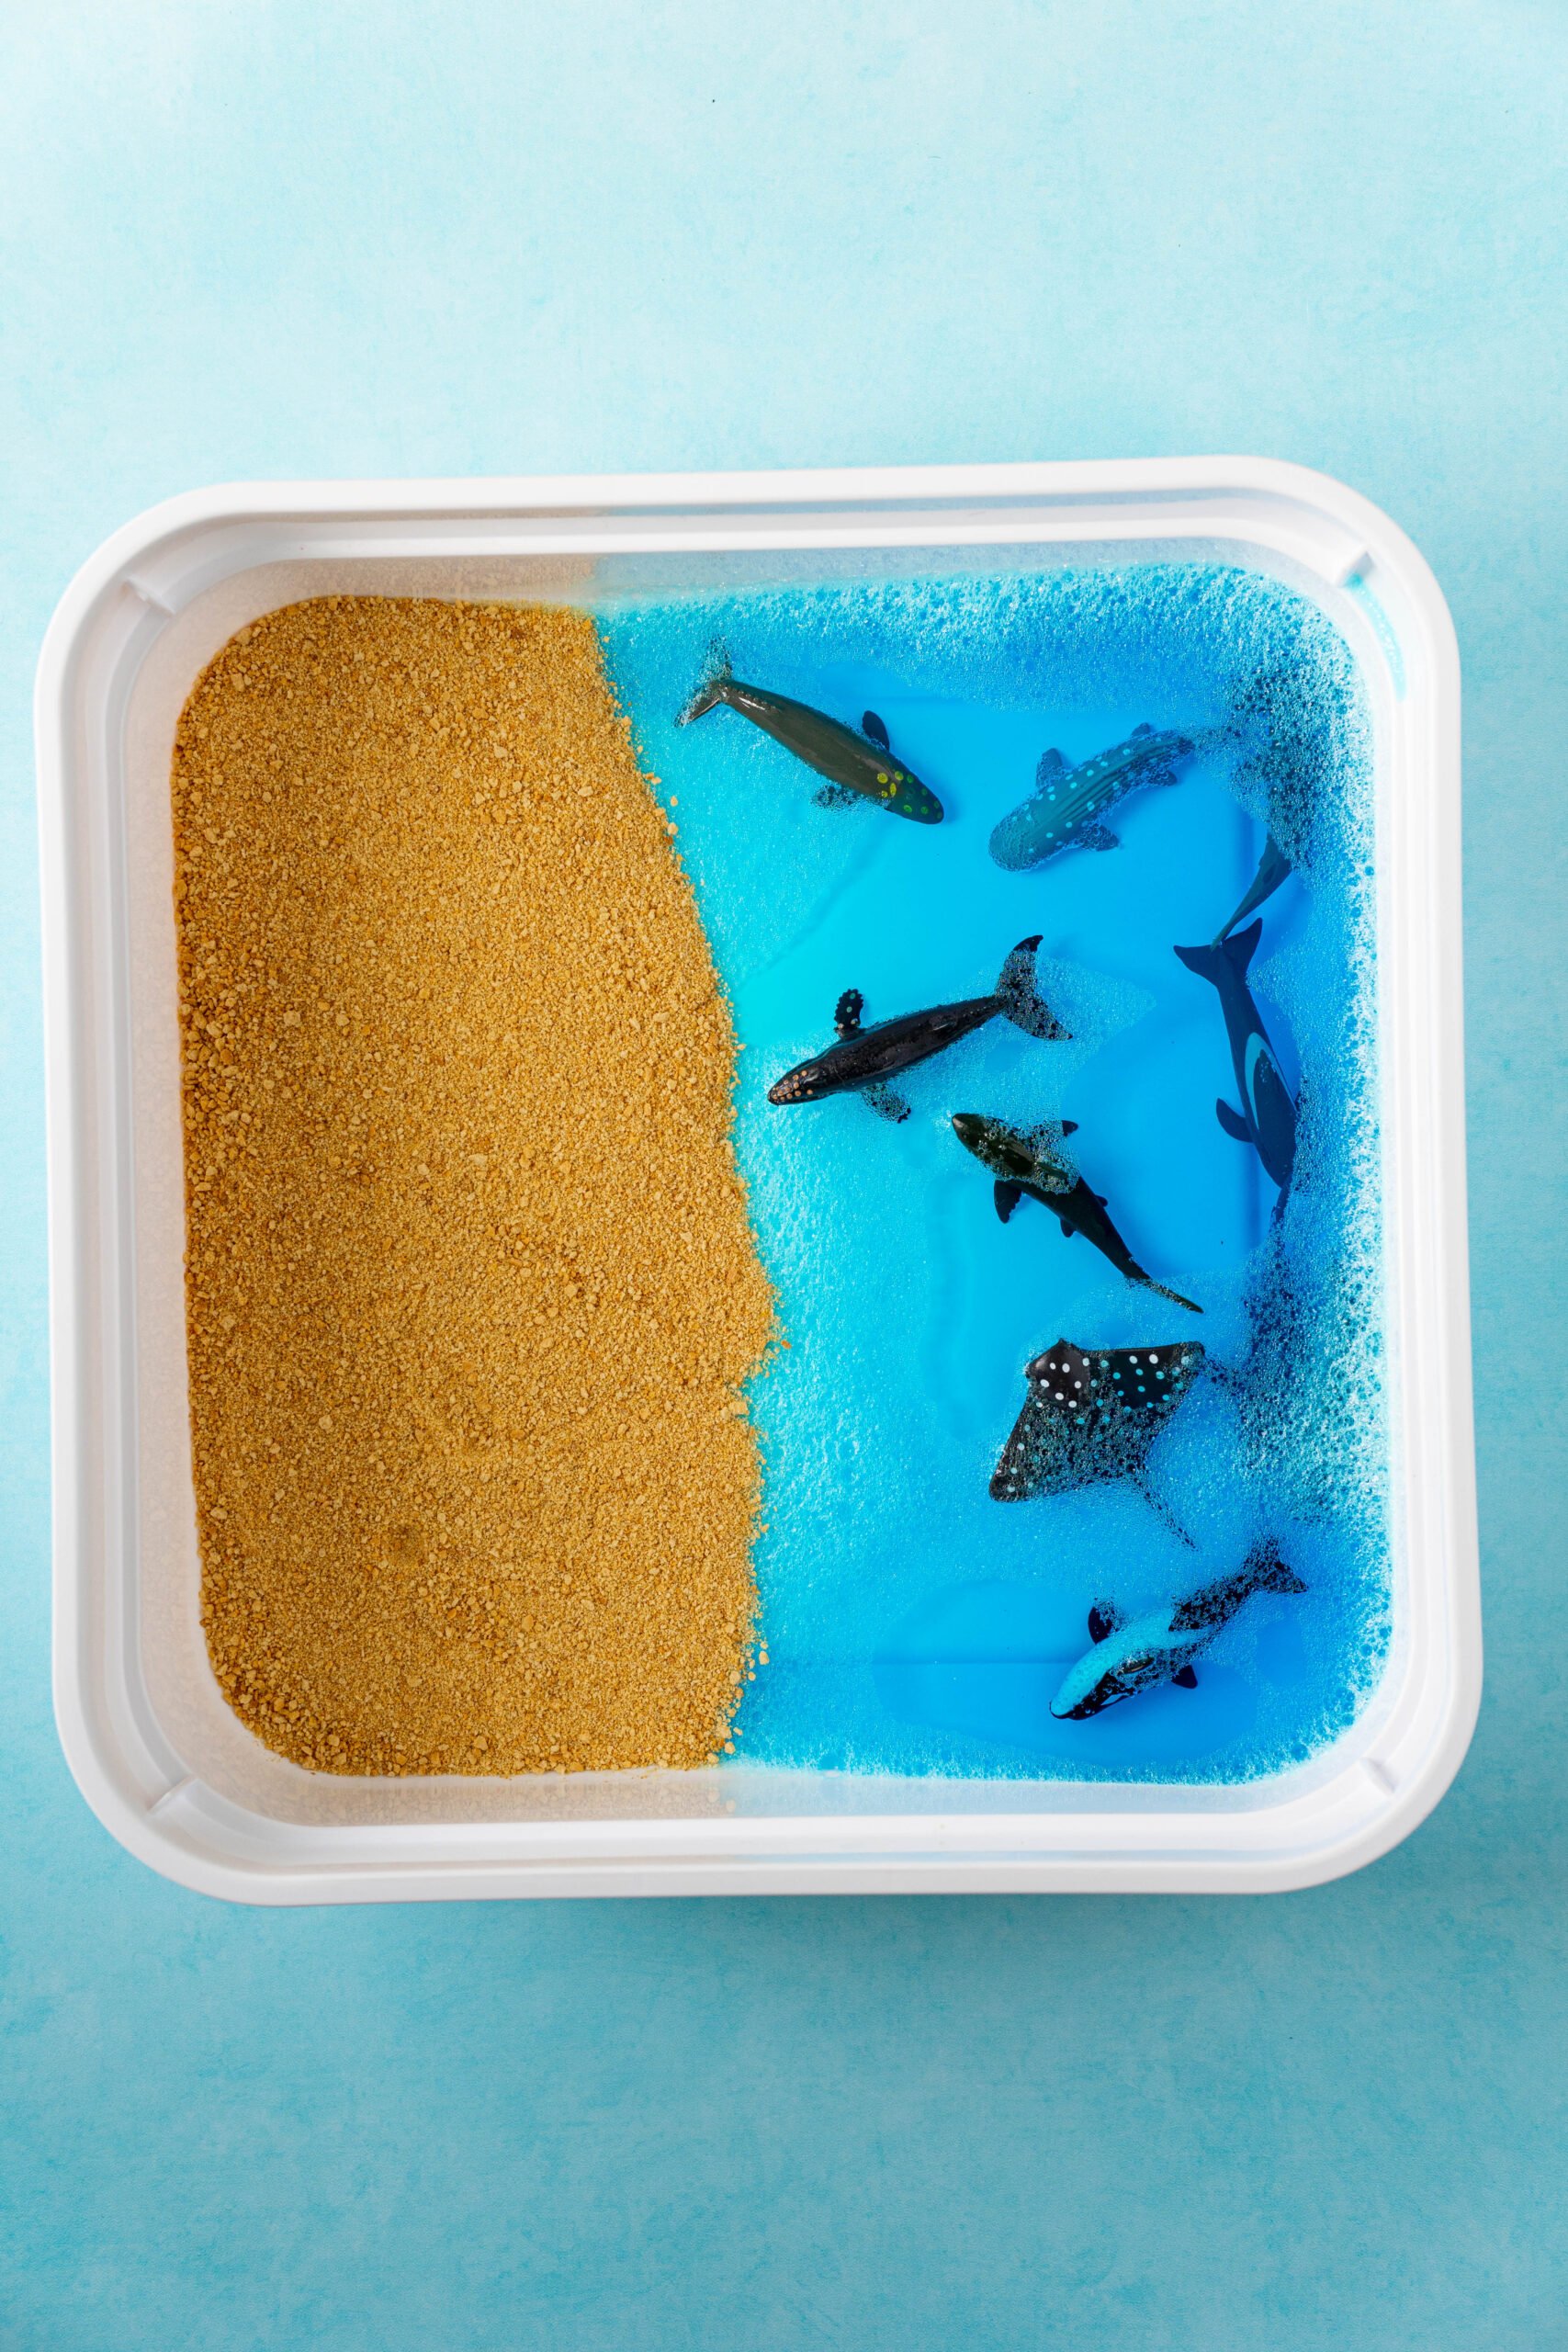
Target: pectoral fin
{"type": "Point", "coordinates": [1097, 837]}
{"type": "Point", "coordinates": [1234, 1126]}
{"type": "Point", "coordinates": [1067, 1228]}
{"type": "Point", "coordinates": [838, 795]}
{"type": "Point", "coordinates": [876, 729]}
{"type": "Point", "coordinates": [881, 1098]}
{"type": "Point", "coordinates": [1052, 766]}
{"type": "Point", "coordinates": [1007, 1198]}
{"type": "Point", "coordinates": [1184, 1679]}
{"type": "Point", "coordinates": [847, 1013]}
{"type": "Point", "coordinates": [1104, 1618]}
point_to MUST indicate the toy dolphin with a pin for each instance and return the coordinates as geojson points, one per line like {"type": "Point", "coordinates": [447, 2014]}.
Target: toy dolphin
{"type": "Point", "coordinates": [1138, 1655]}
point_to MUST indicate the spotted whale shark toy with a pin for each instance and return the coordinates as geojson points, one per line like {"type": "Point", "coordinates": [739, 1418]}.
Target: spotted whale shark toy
{"type": "Point", "coordinates": [1094, 1413]}
{"type": "Point", "coordinates": [1139, 1654]}
{"type": "Point", "coordinates": [1065, 809]}
{"type": "Point", "coordinates": [864, 1060]}
{"type": "Point", "coordinates": [1266, 1119]}
{"type": "Point", "coordinates": [858, 766]}
{"type": "Point", "coordinates": [1030, 1163]}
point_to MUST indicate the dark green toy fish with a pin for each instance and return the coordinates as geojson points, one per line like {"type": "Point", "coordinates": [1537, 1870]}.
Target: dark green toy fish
{"type": "Point", "coordinates": [858, 766]}
{"type": "Point", "coordinates": [1032, 1163]}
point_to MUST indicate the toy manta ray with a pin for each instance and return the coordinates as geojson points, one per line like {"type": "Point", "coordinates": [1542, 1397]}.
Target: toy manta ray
{"type": "Point", "coordinates": [1093, 1414]}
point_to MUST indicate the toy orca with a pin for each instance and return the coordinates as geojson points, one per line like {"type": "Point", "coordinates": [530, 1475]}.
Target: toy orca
{"type": "Point", "coordinates": [1268, 1118]}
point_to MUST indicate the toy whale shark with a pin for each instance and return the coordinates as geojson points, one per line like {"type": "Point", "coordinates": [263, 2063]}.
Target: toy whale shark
{"type": "Point", "coordinates": [1031, 1163]}
{"type": "Point", "coordinates": [857, 766]}
{"type": "Point", "coordinates": [1130, 1656]}
{"type": "Point", "coordinates": [1065, 808]}
{"type": "Point", "coordinates": [1268, 1118]}
{"type": "Point", "coordinates": [1092, 1414]}
{"type": "Point", "coordinates": [865, 1059]}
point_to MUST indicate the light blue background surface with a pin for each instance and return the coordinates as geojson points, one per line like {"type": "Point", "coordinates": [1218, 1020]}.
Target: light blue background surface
{"type": "Point", "coordinates": [279, 240]}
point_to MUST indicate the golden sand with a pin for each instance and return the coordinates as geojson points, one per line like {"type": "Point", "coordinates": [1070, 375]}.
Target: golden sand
{"type": "Point", "coordinates": [470, 1286]}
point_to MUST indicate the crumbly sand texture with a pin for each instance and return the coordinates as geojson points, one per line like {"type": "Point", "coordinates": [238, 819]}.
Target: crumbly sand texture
{"type": "Point", "coordinates": [471, 1289]}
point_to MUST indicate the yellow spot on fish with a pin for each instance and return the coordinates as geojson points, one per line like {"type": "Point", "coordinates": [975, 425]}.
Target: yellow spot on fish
{"type": "Point", "coordinates": [881, 775]}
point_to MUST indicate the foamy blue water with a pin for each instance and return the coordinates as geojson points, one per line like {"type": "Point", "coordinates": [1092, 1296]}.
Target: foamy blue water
{"type": "Point", "coordinates": [911, 1623]}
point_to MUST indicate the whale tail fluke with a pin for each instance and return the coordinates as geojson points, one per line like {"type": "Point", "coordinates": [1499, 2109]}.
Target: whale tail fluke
{"type": "Point", "coordinates": [1232, 954]}
{"type": "Point", "coordinates": [715, 678]}
{"type": "Point", "coordinates": [1020, 992]}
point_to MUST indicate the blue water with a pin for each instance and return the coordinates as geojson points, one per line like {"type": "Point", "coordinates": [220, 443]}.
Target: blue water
{"type": "Point", "coordinates": [911, 1623]}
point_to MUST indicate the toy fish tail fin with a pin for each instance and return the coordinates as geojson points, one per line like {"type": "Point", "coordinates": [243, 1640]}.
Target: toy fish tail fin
{"type": "Point", "coordinates": [1019, 993]}
{"type": "Point", "coordinates": [1266, 1572]}
{"type": "Point", "coordinates": [1273, 868]}
{"type": "Point", "coordinates": [1234, 954]}
{"type": "Point", "coordinates": [1174, 1295]}
{"type": "Point", "coordinates": [715, 677]}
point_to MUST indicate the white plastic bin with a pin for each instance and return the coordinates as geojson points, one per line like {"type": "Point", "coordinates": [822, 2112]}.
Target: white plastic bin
{"type": "Point", "coordinates": [155, 1750]}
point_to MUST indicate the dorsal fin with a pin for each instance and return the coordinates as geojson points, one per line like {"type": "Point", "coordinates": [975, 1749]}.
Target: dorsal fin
{"type": "Point", "coordinates": [1143, 728]}
{"type": "Point", "coordinates": [1045, 1142]}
